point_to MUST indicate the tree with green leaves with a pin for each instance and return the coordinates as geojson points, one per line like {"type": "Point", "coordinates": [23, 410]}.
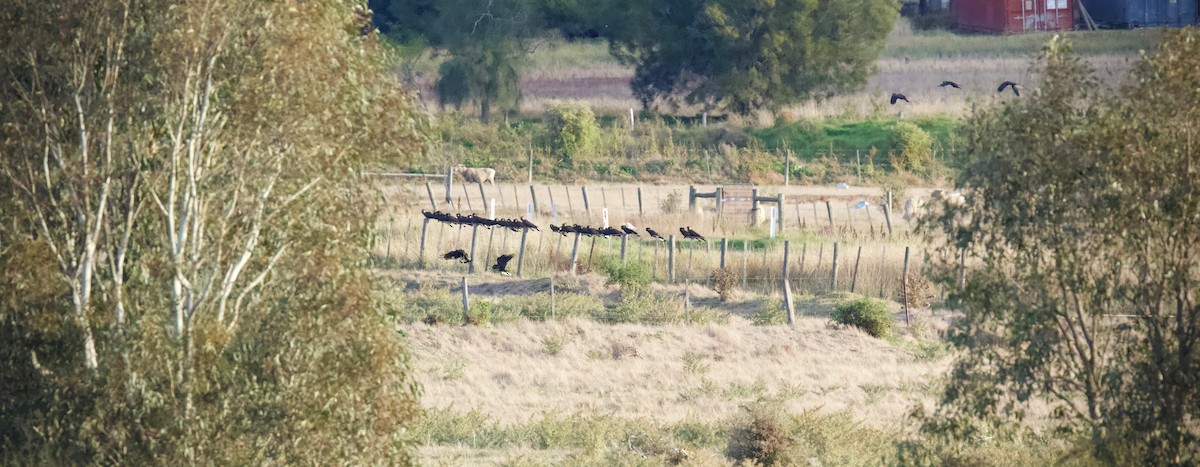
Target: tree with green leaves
{"type": "Point", "coordinates": [486, 42]}
{"type": "Point", "coordinates": [185, 234]}
{"type": "Point", "coordinates": [1081, 235]}
{"type": "Point", "coordinates": [747, 55]}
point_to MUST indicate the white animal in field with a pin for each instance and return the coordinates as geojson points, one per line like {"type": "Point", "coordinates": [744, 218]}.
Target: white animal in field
{"type": "Point", "coordinates": [476, 174]}
{"type": "Point", "coordinates": [950, 198]}
{"type": "Point", "coordinates": [913, 208]}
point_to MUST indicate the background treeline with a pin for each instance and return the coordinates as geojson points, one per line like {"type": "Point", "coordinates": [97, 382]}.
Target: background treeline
{"type": "Point", "coordinates": [184, 234]}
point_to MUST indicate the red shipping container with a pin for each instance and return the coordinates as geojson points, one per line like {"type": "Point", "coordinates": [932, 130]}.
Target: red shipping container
{"type": "Point", "coordinates": [1013, 16]}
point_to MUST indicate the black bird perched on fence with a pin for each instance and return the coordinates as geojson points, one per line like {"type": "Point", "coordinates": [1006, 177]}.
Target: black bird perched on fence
{"type": "Point", "coordinates": [526, 223]}
{"type": "Point", "coordinates": [555, 229]}
{"type": "Point", "coordinates": [460, 255]}
{"type": "Point", "coordinates": [898, 97]}
{"type": "Point", "coordinates": [655, 234]}
{"type": "Point", "coordinates": [1009, 84]}
{"type": "Point", "coordinates": [610, 231]}
{"type": "Point", "coordinates": [692, 234]}
{"type": "Point", "coordinates": [949, 83]}
{"type": "Point", "coordinates": [501, 265]}
{"type": "Point", "coordinates": [629, 230]}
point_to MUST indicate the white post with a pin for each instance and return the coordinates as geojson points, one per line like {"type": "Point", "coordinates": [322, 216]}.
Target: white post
{"type": "Point", "coordinates": [774, 220]}
{"type": "Point", "coordinates": [631, 119]}
{"type": "Point", "coordinates": [492, 209]}
{"type": "Point", "coordinates": [604, 215]}
{"type": "Point", "coordinates": [705, 119]}
{"type": "Point", "coordinates": [553, 213]}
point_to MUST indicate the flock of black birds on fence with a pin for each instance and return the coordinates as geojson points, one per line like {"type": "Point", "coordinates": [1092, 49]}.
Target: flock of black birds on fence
{"type": "Point", "coordinates": [1007, 84]}
{"type": "Point", "coordinates": [501, 265]}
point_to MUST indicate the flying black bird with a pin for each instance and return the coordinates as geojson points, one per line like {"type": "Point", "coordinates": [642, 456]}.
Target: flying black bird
{"type": "Point", "coordinates": [898, 97]}
{"type": "Point", "coordinates": [629, 230]}
{"type": "Point", "coordinates": [1008, 84]}
{"type": "Point", "coordinates": [949, 83]}
{"type": "Point", "coordinates": [502, 264]}
{"type": "Point", "coordinates": [460, 255]}
{"type": "Point", "coordinates": [655, 234]}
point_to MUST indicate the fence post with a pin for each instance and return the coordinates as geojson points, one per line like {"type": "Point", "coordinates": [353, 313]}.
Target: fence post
{"type": "Point", "coordinates": [482, 196]}
{"type": "Point", "coordinates": [531, 165]}
{"type": "Point", "coordinates": [887, 217]}
{"type": "Point", "coordinates": [745, 262]}
{"type": "Point", "coordinates": [720, 200]}
{"type": "Point", "coordinates": [449, 184]}
{"type": "Point", "coordinates": [466, 304]}
{"type": "Point", "coordinates": [586, 207]}
{"type": "Point", "coordinates": [803, 254]}
{"type": "Point", "coordinates": [829, 210]}
{"type": "Point", "coordinates": [889, 200]}
{"type": "Point", "coordinates": [779, 201]}
{"type": "Point", "coordinates": [854, 278]}
{"type": "Point", "coordinates": [787, 286]}
{"type": "Point", "coordinates": [533, 196]}
{"type": "Point", "coordinates": [691, 197]}
{"type": "Point", "coordinates": [570, 204]}
{"type": "Point", "coordinates": [550, 194]}
{"type": "Point", "coordinates": [575, 254]}
{"type": "Point", "coordinates": [623, 240]}
{"type": "Point", "coordinates": [671, 258]}
{"type": "Point", "coordinates": [521, 251]}
{"type": "Point", "coordinates": [687, 302]}
{"type": "Point", "coordinates": [641, 212]}
{"type": "Point", "coordinates": [858, 163]}
{"type": "Point", "coordinates": [754, 201]}
{"type": "Point", "coordinates": [833, 275]}
{"type": "Point", "coordinates": [474, 233]}
{"type": "Point", "coordinates": [787, 167]}
{"type": "Point", "coordinates": [429, 190]}
{"type": "Point", "coordinates": [724, 243]}
{"type": "Point", "coordinates": [904, 286]}
{"type": "Point", "coordinates": [421, 254]}
{"type": "Point", "coordinates": [603, 197]}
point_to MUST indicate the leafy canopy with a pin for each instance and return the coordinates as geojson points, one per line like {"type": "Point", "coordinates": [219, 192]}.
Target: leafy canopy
{"type": "Point", "coordinates": [747, 55]}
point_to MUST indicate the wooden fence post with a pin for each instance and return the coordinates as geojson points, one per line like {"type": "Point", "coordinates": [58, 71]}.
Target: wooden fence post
{"type": "Point", "coordinates": [429, 191]}
{"type": "Point", "coordinates": [474, 233]}
{"type": "Point", "coordinates": [421, 254]}
{"type": "Point", "coordinates": [833, 275]}
{"type": "Point", "coordinates": [724, 243]}
{"type": "Point", "coordinates": [623, 240]}
{"type": "Point", "coordinates": [829, 210]}
{"type": "Point", "coordinates": [745, 262]}
{"type": "Point", "coordinates": [671, 258]}
{"type": "Point", "coordinates": [887, 216]}
{"type": "Point", "coordinates": [482, 196]}
{"type": "Point", "coordinates": [521, 251]}
{"type": "Point", "coordinates": [570, 204]}
{"type": "Point", "coordinates": [466, 303]}
{"type": "Point", "coordinates": [603, 197]}
{"type": "Point", "coordinates": [854, 278]}
{"type": "Point", "coordinates": [803, 255]}
{"type": "Point", "coordinates": [575, 254]}
{"type": "Point", "coordinates": [641, 211]}
{"type": "Point", "coordinates": [449, 184]}
{"type": "Point", "coordinates": [904, 286]}
{"type": "Point", "coordinates": [533, 196]}
{"type": "Point", "coordinates": [691, 197]}
{"type": "Point", "coordinates": [550, 194]}
{"type": "Point", "coordinates": [787, 287]}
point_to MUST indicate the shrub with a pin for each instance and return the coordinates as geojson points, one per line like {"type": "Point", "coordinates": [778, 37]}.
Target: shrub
{"type": "Point", "coordinates": [916, 290]}
{"type": "Point", "coordinates": [723, 281]}
{"type": "Point", "coordinates": [672, 203]}
{"type": "Point", "coordinates": [772, 313]}
{"type": "Point", "coordinates": [866, 313]}
{"type": "Point", "coordinates": [480, 313]}
{"type": "Point", "coordinates": [914, 148]}
{"type": "Point", "coordinates": [763, 437]}
{"type": "Point", "coordinates": [627, 274]}
{"type": "Point", "coordinates": [639, 305]}
{"type": "Point", "coordinates": [573, 132]}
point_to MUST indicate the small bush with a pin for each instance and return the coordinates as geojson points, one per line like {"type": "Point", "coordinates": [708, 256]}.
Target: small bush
{"type": "Point", "coordinates": [916, 290]}
{"type": "Point", "coordinates": [672, 203]}
{"type": "Point", "coordinates": [573, 132]}
{"type": "Point", "coordinates": [915, 148]}
{"type": "Point", "coordinates": [771, 314]}
{"type": "Point", "coordinates": [763, 437]}
{"type": "Point", "coordinates": [480, 313]}
{"type": "Point", "coordinates": [724, 281]}
{"type": "Point", "coordinates": [646, 307]}
{"type": "Point", "coordinates": [628, 274]}
{"type": "Point", "coordinates": [868, 314]}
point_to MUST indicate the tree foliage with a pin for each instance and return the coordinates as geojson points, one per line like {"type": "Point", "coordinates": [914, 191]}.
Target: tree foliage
{"type": "Point", "coordinates": [185, 234]}
{"type": "Point", "coordinates": [1082, 230]}
{"type": "Point", "coordinates": [748, 55]}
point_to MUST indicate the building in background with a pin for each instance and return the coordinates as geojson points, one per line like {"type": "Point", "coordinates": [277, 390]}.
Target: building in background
{"type": "Point", "coordinates": [1014, 16]}
{"type": "Point", "coordinates": [1141, 13]}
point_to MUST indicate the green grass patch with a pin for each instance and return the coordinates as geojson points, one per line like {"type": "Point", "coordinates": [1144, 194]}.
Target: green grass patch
{"type": "Point", "coordinates": [811, 139]}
